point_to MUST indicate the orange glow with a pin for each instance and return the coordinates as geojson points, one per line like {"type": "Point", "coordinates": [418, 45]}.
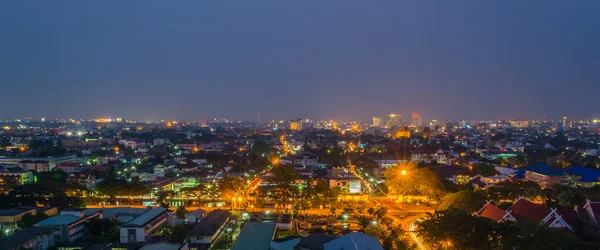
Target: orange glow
{"type": "Point", "coordinates": [22, 149]}
{"type": "Point", "coordinates": [415, 115]}
{"type": "Point", "coordinates": [169, 124]}
{"type": "Point", "coordinates": [116, 148]}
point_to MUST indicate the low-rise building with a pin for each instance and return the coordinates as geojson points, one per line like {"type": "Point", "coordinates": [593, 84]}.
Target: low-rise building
{"type": "Point", "coordinates": [582, 176]}
{"type": "Point", "coordinates": [14, 176]}
{"type": "Point", "coordinates": [69, 224]}
{"type": "Point", "coordinates": [144, 226]}
{"type": "Point", "coordinates": [35, 238]}
{"type": "Point", "coordinates": [87, 180]}
{"type": "Point", "coordinates": [38, 163]}
{"type": "Point", "coordinates": [306, 159]}
{"type": "Point", "coordinates": [10, 218]}
{"type": "Point", "coordinates": [207, 231]}
{"type": "Point", "coordinates": [255, 236]}
{"type": "Point", "coordinates": [428, 156]}
{"type": "Point", "coordinates": [545, 175]}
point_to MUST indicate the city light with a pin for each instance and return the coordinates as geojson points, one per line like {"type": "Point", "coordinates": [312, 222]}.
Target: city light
{"type": "Point", "coordinates": [403, 172]}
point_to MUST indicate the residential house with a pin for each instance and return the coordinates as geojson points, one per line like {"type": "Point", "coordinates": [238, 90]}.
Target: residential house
{"type": "Point", "coordinates": [187, 166]}
{"type": "Point", "coordinates": [305, 159]}
{"type": "Point", "coordinates": [87, 180]}
{"type": "Point", "coordinates": [14, 176]}
{"type": "Point", "coordinates": [428, 156]}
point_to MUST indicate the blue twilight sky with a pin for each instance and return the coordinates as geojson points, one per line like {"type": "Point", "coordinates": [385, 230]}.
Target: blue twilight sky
{"type": "Point", "coordinates": [340, 59]}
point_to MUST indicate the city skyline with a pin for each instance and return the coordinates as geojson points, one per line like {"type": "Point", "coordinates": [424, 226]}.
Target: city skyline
{"type": "Point", "coordinates": [162, 61]}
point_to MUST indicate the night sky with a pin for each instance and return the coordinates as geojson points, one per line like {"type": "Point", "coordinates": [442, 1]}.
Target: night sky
{"type": "Point", "coordinates": [331, 59]}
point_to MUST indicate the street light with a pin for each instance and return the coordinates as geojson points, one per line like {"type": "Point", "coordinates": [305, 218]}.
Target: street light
{"type": "Point", "coordinates": [403, 172]}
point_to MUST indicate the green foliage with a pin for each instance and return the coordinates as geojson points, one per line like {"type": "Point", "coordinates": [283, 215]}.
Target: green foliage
{"type": "Point", "coordinates": [28, 220]}
{"type": "Point", "coordinates": [457, 229]}
{"type": "Point", "coordinates": [102, 230]}
{"type": "Point", "coordinates": [180, 233]}
{"type": "Point", "coordinates": [417, 181]}
{"type": "Point", "coordinates": [261, 147]}
{"type": "Point", "coordinates": [181, 212]}
{"type": "Point", "coordinates": [486, 169]}
{"type": "Point", "coordinates": [47, 193]}
{"type": "Point", "coordinates": [511, 190]}
{"type": "Point", "coordinates": [77, 202]}
{"type": "Point", "coordinates": [466, 200]}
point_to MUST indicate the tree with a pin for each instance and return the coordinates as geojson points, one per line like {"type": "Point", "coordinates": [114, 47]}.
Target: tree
{"type": "Point", "coordinates": [102, 230]}
{"type": "Point", "coordinates": [486, 169]}
{"type": "Point", "coordinates": [180, 232]}
{"type": "Point", "coordinates": [28, 220]}
{"type": "Point", "coordinates": [465, 200]}
{"type": "Point", "coordinates": [512, 190]}
{"type": "Point", "coordinates": [284, 176]}
{"type": "Point", "coordinates": [181, 212]}
{"type": "Point", "coordinates": [403, 180]}
{"type": "Point", "coordinates": [77, 202]}
{"type": "Point", "coordinates": [457, 229]}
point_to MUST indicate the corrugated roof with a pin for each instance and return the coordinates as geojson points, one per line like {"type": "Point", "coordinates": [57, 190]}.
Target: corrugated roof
{"type": "Point", "coordinates": [145, 217]}
{"type": "Point", "coordinates": [255, 236]}
{"type": "Point", "coordinates": [22, 236]}
{"type": "Point", "coordinates": [545, 169]}
{"type": "Point", "coordinates": [210, 224]}
{"type": "Point", "coordinates": [57, 220]}
{"type": "Point", "coordinates": [587, 174]}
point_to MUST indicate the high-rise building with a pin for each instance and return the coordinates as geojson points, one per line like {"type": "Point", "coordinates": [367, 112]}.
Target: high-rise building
{"type": "Point", "coordinates": [296, 125]}
{"type": "Point", "coordinates": [416, 120]}
{"type": "Point", "coordinates": [433, 124]}
{"type": "Point", "coordinates": [564, 122]}
{"type": "Point", "coordinates": [376, 122]}
{"type": "Point", "coordinates": [393, 120]}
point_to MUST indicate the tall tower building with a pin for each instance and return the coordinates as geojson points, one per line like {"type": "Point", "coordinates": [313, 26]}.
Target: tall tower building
{"type": "Point", "coordinates": [416, 120]}
{"type": "Point", "coordinates": [376, 122]}
{"type": "Point", "coordinates": [393, 120]}
{"type": "Point", "coordinates": [564, 122]}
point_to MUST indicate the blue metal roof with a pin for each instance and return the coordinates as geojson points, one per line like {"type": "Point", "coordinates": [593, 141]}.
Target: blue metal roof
{"type": "Point", "coordinates": [587, 174]}
{"type": "Point", "coordinates": [545, 169]}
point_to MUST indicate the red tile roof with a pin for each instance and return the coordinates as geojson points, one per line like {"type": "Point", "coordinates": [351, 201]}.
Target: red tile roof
{"type": "Point", "coordinates": [568, 215]}
{"type": "Point", "coordinates": [524, 208]}
{"type": "Point", "coordinates": [492, 212]}
{"type": "Point", "coordinates": [595, 206]}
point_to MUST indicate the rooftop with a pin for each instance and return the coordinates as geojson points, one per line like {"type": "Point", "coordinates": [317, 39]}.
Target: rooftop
{"type": "Point", "coordinates": [23, 236]}
{"type": "Point", "coordinates": [58, 220]}
{"type": "Point", "coordinates": [210, 224]}
{"type": "Point", "coordinates": [255, 236]}
{"type": "Point", "coordinates": [145, 217]}
{"type": "Point", "coordinates": [587, 174]}
{"type": "Point", "coordinates": [545, 169]}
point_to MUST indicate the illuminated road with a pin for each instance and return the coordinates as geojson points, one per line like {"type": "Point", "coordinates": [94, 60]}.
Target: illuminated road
{"type": "Point", "coordinates": [411, 229]}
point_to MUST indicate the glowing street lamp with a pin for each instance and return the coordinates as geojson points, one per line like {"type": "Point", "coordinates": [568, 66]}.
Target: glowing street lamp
{"type": "Point", "coordinates": [403, 172]}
